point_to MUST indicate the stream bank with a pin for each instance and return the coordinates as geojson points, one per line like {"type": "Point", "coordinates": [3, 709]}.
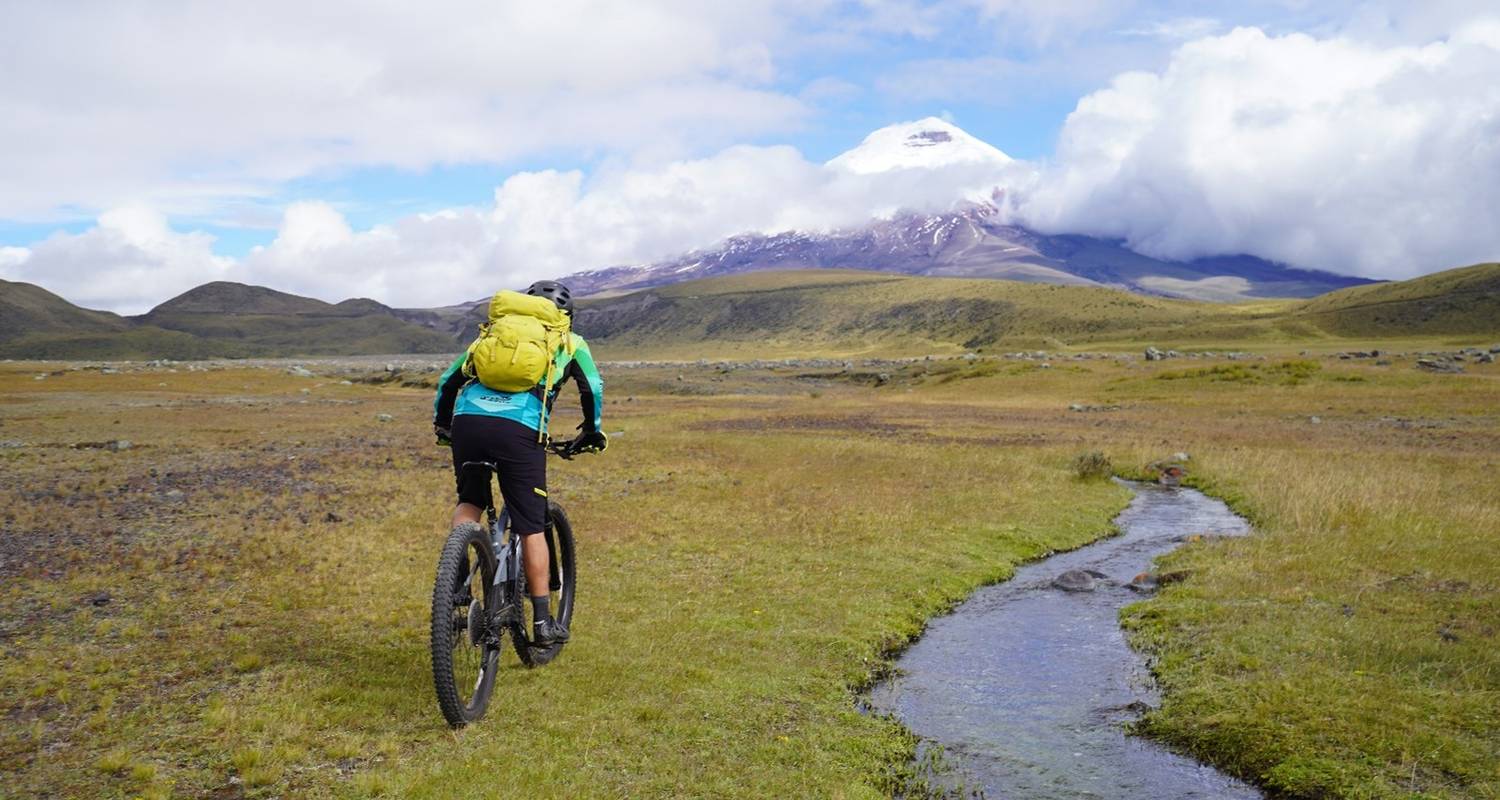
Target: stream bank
{"type": "Point", "coordinates": [1028, 685]}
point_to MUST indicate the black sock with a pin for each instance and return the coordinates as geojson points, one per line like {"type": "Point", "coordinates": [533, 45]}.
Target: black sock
{"type": "Point", "coordinates": [541, 608]}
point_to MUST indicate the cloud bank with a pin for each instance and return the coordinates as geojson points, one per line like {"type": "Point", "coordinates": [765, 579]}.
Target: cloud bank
{"type": "Point", "coordinates": [1329, 153]}
{"type": "Point", "coordinates": [1374, 159]}
{"type": "Point", "coordinates": [182, 105]}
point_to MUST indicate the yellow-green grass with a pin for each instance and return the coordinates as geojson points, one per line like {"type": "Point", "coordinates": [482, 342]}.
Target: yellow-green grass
{"type": "Point", "coordinates": [751, 547]}
{"type": "Point", "coordinates": [737, 583]}
{"type": "Point", "coordinates": [850, 313]}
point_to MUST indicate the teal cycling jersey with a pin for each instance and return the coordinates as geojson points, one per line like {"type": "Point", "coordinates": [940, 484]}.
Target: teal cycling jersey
{"type": "Point", "coordinates": [459, 394]}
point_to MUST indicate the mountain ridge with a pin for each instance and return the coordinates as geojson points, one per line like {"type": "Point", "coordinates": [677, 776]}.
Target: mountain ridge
{"type": "Point", "coordinates": [760, 312]}
{"type": "Point", "coordinates": [975, 241]}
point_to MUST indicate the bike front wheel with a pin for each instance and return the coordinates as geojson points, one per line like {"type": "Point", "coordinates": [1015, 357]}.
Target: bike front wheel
{"type": "Point", "coordinates": [560, 541]}
{"type": "Point", "coordinates": [465, 643]}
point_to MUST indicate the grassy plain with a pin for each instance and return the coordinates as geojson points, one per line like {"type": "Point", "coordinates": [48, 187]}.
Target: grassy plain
{"type": "Point", "coordinates": [851, 313]}
{"type": "Point", "coordinates": [235, 606]}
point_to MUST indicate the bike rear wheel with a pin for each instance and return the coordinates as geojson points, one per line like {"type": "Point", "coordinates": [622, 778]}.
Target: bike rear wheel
{"type": "Point", "coordinates": [560, 539]}
{"type": "Point", "coordinates": [465, 644]}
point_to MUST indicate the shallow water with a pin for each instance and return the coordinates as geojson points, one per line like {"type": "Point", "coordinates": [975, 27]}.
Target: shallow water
{"type": "Point", "coordinates": [1027, 687]}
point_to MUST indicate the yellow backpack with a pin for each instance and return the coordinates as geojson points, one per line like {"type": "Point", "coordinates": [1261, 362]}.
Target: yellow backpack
{"type": "Point", "coordinates": [516, 349]}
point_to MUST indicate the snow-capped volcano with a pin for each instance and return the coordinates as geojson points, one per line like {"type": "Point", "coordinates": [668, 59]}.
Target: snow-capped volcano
{"type": "Point", "coordinates": [925, 144]}
{"type": "Point", "coordinates": [950, 218]}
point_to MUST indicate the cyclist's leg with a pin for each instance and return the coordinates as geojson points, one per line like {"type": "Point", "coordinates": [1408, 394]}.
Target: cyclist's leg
{"type": "Point", "coordinates": [523, 482]}
{"type": "Point", "coordinates": [474, 493]}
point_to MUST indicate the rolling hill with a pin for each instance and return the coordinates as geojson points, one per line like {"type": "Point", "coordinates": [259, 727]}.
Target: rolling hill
{"type": "Point", "coordinates": [27, 309]}
{"type": "Point", "coordinates": [848, 312]}
{"type": "Point", "coordinates": [217, 319]}
{"type": "Point", "coordinates": [1453, 302]}
{"type": "Point", "coordinates": [765, 314]}
{"type": "Point", "coordinates": [845, 312]}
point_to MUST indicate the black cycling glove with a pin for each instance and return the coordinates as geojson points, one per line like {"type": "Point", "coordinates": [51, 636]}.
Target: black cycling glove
{"type": "Point", "coordinates": [588, 442]}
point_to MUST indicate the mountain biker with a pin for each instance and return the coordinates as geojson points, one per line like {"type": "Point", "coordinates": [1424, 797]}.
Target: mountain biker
{"type": "Point", "coordinates": [481, 424]}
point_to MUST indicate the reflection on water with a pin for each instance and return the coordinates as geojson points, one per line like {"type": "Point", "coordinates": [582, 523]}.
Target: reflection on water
{"type": "Point", "coordinates": [1026, 687]}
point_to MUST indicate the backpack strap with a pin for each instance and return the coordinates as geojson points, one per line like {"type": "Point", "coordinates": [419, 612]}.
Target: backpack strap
{"type": "Point", "coordinates": [566, 346]}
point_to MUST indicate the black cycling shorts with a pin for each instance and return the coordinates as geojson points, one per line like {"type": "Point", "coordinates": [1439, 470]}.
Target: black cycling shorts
{"type": "Point", "coordinates": [521, 461]}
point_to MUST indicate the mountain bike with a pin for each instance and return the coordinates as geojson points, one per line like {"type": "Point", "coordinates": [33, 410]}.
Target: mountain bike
{"type": "Point", "coordinates": [480, 596]}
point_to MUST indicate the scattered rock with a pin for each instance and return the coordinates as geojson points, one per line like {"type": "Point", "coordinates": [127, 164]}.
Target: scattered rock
{"type": "Point", "coordinates": [1484, 358]}
{"type": "Point", "coordinates": [10, 444]}
{"type": "Point", "coordinates": [1434, 365]}
{"type": "Point", "coordinates": [1152, 354]}
{"type": "Point", "coordinates": [1078, 580]}
{"type": "Point", "coordinates": [1144, 582]}
{"type": "Point", "coordinates": [383, 418]}
{"type": "Point", "coordinates": [882, 379]}
{"type": "Point", "coordinates": [299, 371]}
{"type": "Point", "coordinates": [174, 495]}
{"type": "Point", "coordinates": [118, 445]}
{"type": "Point", "coordinates": [1084, 407]}
{"type": "Point", "coordinates": [333, 517]}
{"type": "Point", "coordinates": [346, 383]}
{"type": "Point", "coordinates": [1447, 634]}
{"type": "Point", "coordinates": [1315, 419]}
{"type": "Point", "coordinates": [98, 599]}
{"type": "Point", "coordinates": [1181, 456]}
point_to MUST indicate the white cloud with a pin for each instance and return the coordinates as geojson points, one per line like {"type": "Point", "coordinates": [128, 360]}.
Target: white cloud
{"type": "Point", "coordinates": [1324, 153]}
{"type": "Point", "coordinates": [1338, 153]}
{"type": "Point", "coordinates": [180, 105]}
{"type": "Point", "coordinates": [542, 224]}
{"type": "Point", "coordinates": [1176, 29]}
{"type": "Point", "coordinates": [129, 262]}
{"type": "Point", "coordinates": [12, 257]}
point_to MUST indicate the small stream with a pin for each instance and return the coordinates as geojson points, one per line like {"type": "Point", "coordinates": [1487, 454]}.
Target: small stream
{"type": "Point", "coordinates": [1027, 687]}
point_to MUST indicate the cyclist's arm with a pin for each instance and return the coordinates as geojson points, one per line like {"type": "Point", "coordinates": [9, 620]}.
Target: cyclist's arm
{"type": "Point", "coordinates": [590, 386]}
{"type": "Point", "coordinates": [452, 380]}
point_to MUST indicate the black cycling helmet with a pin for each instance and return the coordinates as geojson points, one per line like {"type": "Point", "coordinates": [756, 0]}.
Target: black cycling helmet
{"type": "Point", "coordinates": [554, 291]}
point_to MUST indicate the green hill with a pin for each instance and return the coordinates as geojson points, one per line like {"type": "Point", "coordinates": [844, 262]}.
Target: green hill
{"type": "Point", "coordinates": [253, 320]}
{"type": "Point", "coordinates": [27, 309]}
{"type": "Point", "coordinates": [219, 319]}
{"type": "Point", "coordinates": [846, 312]}
{"type": "Point", "coordinates": [774, 313]}
{"type": "Point", "coordinates": [769, 314]}
{"type": "Point", "coordinates": [1454, 302]}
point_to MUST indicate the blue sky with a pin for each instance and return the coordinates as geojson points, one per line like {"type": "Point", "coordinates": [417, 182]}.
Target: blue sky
{"type": "Point", "coordinates": [153, 145]}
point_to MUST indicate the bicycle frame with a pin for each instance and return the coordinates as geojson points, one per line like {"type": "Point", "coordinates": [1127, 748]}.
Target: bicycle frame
{"type": "Point", "coordinates": [507, 548]}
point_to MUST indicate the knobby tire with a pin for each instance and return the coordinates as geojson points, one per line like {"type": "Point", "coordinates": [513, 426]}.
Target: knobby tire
{"type": "Point", "coordinates": [466, 544]}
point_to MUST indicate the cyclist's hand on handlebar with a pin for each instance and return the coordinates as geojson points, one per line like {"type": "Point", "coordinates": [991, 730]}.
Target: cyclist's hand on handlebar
{"type": "Point", "coordinates": [444, 435]}
{"type": "Point", "coordinates": [588, 442]}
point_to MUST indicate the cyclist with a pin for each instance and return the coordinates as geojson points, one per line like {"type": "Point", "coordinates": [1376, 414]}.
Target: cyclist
{"type": "Point", "coordinates": [481, 424]}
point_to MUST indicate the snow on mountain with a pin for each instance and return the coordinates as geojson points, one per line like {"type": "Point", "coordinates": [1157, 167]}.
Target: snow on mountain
{"type": "Point", "coordinates": [949, 226]}
{"type": "Point", "coordinates": [926, 144]}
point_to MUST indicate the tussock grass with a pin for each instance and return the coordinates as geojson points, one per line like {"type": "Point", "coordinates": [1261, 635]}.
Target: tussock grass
{"type": "Point", "coordinates": [738, 583]}
{"type": "Point", "coordinates": [1092, 466]}
{"type": "Point", "coordinates": [750, 556]}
